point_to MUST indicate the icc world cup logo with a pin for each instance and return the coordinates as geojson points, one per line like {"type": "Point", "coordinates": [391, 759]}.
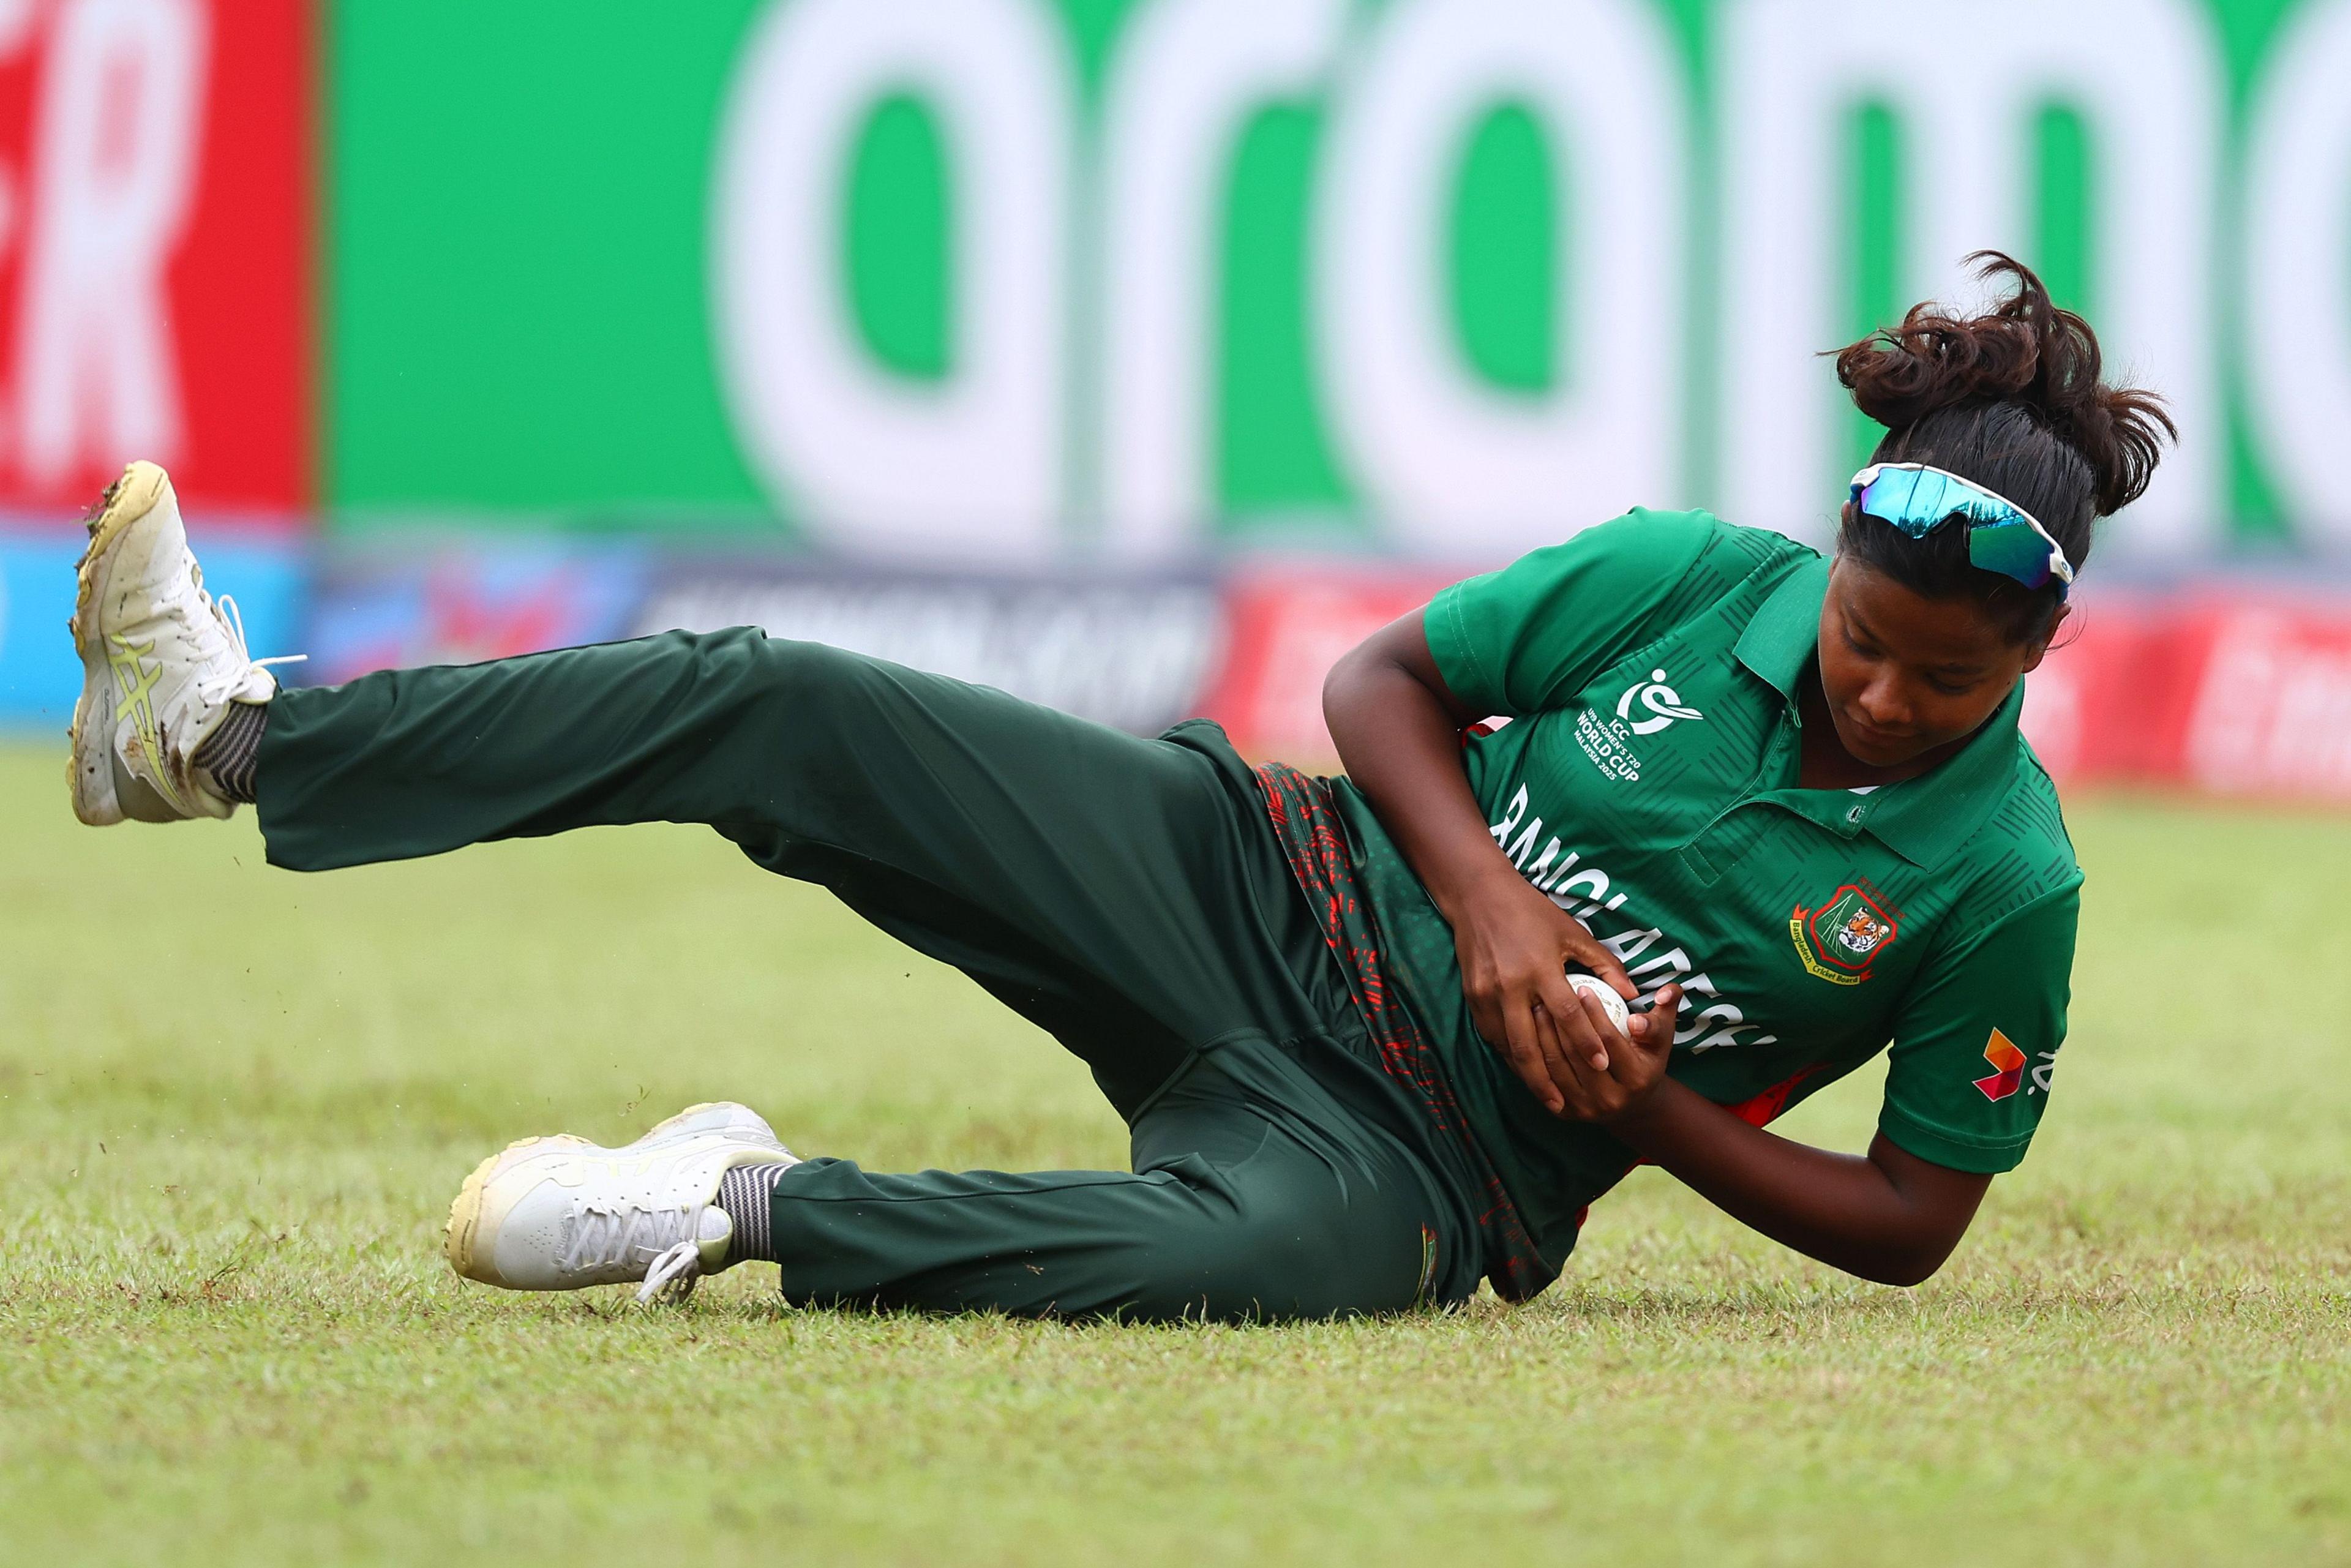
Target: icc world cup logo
{"type": "Point", "coordinates": [1663, 704]}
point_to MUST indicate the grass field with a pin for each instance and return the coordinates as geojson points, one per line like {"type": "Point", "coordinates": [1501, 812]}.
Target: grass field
{"type": "Point", "coordinates": [234, 1105]}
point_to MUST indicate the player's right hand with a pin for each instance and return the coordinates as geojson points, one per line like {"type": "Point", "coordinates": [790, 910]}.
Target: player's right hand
{"type": "Point", "coordinates": [1514, 946]}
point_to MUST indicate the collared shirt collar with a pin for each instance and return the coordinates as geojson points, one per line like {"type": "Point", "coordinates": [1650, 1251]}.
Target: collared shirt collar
{"type": "Point", "coordinates": [1923, 820]}
{"type": "Point", "coordinates": [1786, 627]}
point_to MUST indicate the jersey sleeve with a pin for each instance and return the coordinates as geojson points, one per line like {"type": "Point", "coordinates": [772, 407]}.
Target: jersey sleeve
{"type": "Point", "coordinates": [1975, 1046]}
{"type": "Point", "coordinates": [1530, 636]}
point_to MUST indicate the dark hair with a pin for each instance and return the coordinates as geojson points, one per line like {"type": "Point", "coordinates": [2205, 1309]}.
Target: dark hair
{"type": "Point", "coordinates": [2011, 400]}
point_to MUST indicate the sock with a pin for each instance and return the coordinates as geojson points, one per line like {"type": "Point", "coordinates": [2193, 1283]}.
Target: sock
{"type": "Point", "coordinates": [230, 752]}
{"type": "Point", "coordinates": [744, 1194]}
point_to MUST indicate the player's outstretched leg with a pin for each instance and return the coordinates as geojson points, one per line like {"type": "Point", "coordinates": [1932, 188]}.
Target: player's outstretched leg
{"type": "Point", "coordinates": [561, 1213]}
{"type": "Point", "coordinates": [168, 689]}
{"type": "Point", "coordinates": [1240, 1209]}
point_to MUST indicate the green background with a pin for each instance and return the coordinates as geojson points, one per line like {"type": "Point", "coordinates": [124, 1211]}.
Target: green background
{"type": "Point", "coordinates": [517, 314]}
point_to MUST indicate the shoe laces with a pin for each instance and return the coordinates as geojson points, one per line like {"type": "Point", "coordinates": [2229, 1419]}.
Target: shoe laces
{"type": "Point", "coordinates": [227, 676]}
{"type": "Point", "coordinates": [604, 1235]}
{"type": "Point", "coordinates": [674, 1271]}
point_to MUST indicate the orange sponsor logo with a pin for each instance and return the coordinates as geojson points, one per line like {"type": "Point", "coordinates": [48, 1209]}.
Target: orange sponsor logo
{"type": "Point", "coordinates": [2007, 1064]}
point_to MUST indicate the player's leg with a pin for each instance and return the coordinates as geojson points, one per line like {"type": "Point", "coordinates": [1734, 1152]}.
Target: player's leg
{"type": "Point", "coordinates": [1253, 1196]}
{"type": "Point", "coordinates": [1247, 1202]}
{"type": "Point", "coordinates": [1120, 891]}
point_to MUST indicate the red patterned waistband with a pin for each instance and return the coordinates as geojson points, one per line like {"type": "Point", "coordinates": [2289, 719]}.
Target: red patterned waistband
{"type": "Point", "coordinates": [1306, 819]}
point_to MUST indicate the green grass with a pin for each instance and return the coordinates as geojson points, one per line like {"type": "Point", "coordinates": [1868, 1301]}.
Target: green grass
{"type": "Point", "coordinates": [233, 1104]}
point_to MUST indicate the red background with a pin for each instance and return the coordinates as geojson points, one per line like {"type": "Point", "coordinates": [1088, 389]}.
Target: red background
{"type": "Point", "coordinates": [240, 278]}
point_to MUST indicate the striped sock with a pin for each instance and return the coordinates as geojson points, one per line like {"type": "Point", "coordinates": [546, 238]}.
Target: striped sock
{"type": "Point", "coordinates": [231, 751]}
{"type": "Point", "coordinates": [744, 1194]}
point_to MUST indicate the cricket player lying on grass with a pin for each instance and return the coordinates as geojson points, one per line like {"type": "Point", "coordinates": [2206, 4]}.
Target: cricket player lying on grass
{"type": "Point", "coordinates": [1776, 801]}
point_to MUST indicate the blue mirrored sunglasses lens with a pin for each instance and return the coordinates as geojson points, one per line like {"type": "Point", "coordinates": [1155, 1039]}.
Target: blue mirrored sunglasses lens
{"type": "Point", "coordinates": [1899, 497]}
{"type": "Point", "coordinates": [1914, 501]}
{"type": "Point", "coordinates": [2012, 549]}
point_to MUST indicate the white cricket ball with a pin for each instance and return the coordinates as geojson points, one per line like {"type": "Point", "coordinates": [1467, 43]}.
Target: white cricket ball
{"type": "Point", "coordinates": [1593, 986]}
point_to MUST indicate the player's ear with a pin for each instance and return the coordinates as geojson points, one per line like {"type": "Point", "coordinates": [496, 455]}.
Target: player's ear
{"type": "Point", "coordinates": [2039, 648]}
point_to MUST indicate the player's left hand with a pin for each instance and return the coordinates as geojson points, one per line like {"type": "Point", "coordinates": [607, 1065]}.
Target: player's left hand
{"type": "Point", "coordinates": [1633, 1073]}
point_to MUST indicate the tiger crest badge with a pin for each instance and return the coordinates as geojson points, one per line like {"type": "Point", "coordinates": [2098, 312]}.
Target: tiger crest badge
{"type": "Point", "coordinates": [1839, 940]}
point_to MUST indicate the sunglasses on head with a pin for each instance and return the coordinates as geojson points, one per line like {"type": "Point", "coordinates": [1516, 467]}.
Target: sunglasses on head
{"type": "Point", "coordinates": [2002, 536]}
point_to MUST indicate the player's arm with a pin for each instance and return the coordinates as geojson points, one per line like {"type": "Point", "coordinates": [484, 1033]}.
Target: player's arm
{"type": "Point", "coordinates": [1398, 729]}
{"type": "Point", "coordinates": [1996, 998]}
{"type": "Point", "coordinates": [1887, 1216]}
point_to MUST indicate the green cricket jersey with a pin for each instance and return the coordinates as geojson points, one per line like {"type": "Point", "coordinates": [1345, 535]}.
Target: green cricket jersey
{"type": "Point", "coordinates": [1647, 783]}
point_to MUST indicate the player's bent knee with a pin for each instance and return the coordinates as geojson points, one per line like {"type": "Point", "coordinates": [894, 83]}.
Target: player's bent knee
{"type": "Point", "coordinates": [796, 690]}
{"type": "Point", "coordinates": [794, 670]}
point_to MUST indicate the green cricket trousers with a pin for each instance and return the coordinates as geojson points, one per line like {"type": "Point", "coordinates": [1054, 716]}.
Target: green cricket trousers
{"type": "Point", "coordinates": [1128, 895]}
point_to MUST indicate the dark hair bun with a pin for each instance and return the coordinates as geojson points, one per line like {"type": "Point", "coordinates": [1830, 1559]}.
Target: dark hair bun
{"type": "Point", "coordinates": [2025, 351]}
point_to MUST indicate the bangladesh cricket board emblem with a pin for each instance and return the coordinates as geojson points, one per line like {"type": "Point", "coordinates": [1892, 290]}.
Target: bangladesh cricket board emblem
{"type": "Point", "coordinates": [1842, 938]}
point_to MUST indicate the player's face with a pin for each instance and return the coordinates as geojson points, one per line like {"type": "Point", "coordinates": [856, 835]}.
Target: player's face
{"type": "Point", "coordinates": [1904, 674]}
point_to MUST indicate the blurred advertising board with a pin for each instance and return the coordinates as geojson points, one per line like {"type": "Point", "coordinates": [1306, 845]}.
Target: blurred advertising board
{"type": "Point", "coordinates": [1132, 651]}
{"type": "Point", "coordinates": [1009, 281]}
{"type": "Point", "coordinates": [1287, 625]}
{"type": "Point", "coordinates": [1124, 649]}
{"type": "Point", "coordinates": [2244, 693]}
{"type": "Point", "coordinates": [2271, 710]}
{"type": "Point", "coordinates": [462, 601]}
{"type": "Point", "coordinates": [39, 674]}
{"type": "Point", "coordinates": [155, 237]}
{"type": "Point", "coordinates": [1014, 283]}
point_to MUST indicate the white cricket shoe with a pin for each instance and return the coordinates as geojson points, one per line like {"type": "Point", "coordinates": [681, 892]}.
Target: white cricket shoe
{"type": "Point", "coordinates": [160, 661]}
{"type": "Point", "coordinates": [563, 1214]}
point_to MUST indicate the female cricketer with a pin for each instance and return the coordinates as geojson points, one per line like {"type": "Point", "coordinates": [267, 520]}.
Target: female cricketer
{"type": "Point", "coordinates": [1778, 803]}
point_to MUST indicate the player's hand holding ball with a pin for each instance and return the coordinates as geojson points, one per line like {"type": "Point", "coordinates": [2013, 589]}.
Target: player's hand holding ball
{"type": "Point", "coordinates": [1514, 946]}
{"type": "Point", "coordinates": [1642, 1045]}
{"type": "Point", "coordinates": [1619, 1015]}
